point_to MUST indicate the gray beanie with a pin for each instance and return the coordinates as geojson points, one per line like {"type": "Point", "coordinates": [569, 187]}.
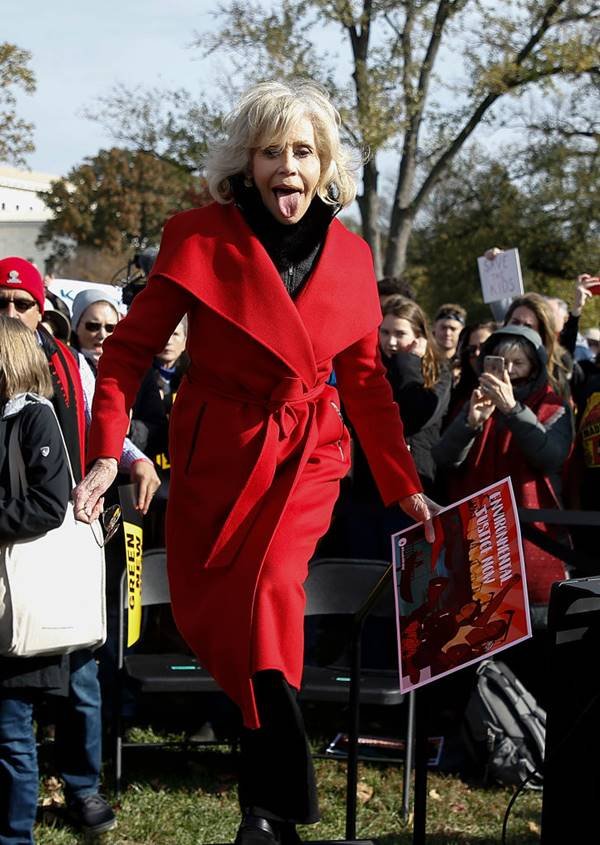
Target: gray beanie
{"type": "Point", "coordinates": [516, 331]}
{"type": "Point", "coordinates": [88, 297]}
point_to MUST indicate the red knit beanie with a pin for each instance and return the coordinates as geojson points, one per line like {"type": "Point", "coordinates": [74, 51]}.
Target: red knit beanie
{"type": "Point", "coordinates": [18, 274]}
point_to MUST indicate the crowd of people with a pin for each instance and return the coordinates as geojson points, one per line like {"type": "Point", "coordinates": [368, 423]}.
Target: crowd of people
{"type": "Point", "coordinates": [267, 391]}
{"type": "Point", "coordinates": [62, 373]}
{"type": "Point", "coordinates": [535, 421]}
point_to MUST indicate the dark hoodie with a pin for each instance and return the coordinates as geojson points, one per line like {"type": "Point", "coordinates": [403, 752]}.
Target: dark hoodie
{"type": "Point", "coordinates": [530, 444]}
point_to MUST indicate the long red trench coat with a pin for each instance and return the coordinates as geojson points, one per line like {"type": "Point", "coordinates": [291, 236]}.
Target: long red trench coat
{"type": "Point", "coordinates": [257, 442]}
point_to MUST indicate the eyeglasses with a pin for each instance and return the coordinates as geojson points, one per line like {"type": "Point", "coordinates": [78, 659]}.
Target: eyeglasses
{"type": "Point", "coordinates": [93, 326]}
{"type": "Point", "coordinates": [21, 305]}
{"type": "Point", "coordinates": [110, 519]}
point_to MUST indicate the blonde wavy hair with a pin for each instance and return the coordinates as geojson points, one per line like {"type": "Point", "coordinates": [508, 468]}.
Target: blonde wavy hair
{"type": "Point", "coordinates": [23, 365]}
{"type": "Point", "coordinates": [263, 117]}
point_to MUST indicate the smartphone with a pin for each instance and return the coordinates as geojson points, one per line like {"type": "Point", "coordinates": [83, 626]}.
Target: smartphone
{"type": "Point", "coordinates": [593, 285]}
{"type": "Point", "coordinates": [494, 364]}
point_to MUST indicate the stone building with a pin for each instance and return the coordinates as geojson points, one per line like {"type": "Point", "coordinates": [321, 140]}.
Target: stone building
{"type": "Point", "coordinates": [22, 213]}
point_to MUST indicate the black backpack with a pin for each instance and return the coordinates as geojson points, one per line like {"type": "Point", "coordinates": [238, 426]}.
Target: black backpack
{"type": "Point", "coordinates": [504, 729]}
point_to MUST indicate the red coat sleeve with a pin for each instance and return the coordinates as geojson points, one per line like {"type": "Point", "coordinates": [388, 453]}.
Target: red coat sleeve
{"type": "Point", "coordinates": [368, 401]}
{"type": "Point", "coordinates": [127, 355]}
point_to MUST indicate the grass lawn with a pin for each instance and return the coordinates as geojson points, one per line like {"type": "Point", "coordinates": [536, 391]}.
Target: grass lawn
{"type": "Point", "coordinates": [177, 799]}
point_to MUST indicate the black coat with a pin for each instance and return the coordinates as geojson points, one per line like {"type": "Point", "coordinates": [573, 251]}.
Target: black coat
{"type": "Point", "coordinates": [422, 410]}
{"type": "Point", "coordinates": [41, 509]}
{"type": "Point", "coordinates": [150, 416]}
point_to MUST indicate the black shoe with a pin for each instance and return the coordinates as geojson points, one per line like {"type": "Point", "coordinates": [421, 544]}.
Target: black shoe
{"type": "Point", "coordinates": [91, 814]}
{"type": "Point", "coordinates": [254, 830]}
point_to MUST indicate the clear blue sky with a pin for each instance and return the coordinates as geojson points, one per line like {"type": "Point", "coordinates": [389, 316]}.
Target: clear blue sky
{"type": "Point", "coordinates": [81, 49]}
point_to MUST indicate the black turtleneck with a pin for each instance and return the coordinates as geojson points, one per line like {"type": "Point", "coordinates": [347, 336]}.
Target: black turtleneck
{"type": "Point", "coordinates": [292, 248]}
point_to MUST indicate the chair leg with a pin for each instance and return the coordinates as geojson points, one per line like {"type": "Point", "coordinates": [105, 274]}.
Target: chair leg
{"type": "Point", "coordinates": [408, 755]}
{"type": "Point", "coordinates": [118, 764]}
{"type": "Point", "coordinates": [421, 755]}
{"type": "Point", "coordinates": [117, 720]}
{"type": "Point", "coordinates": [118, 749]}
{"type": "Point", "coordinates": [353, 735]}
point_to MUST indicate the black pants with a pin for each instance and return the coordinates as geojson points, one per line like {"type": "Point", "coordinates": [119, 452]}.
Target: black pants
{"type": "Point", "coordinates": [277, 779]}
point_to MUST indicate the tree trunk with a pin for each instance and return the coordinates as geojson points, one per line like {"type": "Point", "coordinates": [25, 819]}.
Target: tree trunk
{"type": "Point", "coordinates": [401, 219]}
{"type": "Point", "coordinates": [368, 204]}
{"type": "Point", "coordinates": [395, 259]}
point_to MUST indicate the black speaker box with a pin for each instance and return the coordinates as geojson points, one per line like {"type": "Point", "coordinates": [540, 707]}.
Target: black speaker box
{"type": "Point", "coordinates": [571, 797]}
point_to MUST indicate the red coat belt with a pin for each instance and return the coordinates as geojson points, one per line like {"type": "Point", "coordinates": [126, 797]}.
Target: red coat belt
{"type": "Point", "coordinates": [280, 423]}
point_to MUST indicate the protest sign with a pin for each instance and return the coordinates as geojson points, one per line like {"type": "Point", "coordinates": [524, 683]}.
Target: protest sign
{"type": "Point", "coordinates": [463, 597]}
{"type": "Point", "coordinates": [500, 276]}
{"type": "Point", "coordinates": [134, 536]}
{"type": "Point", "coordinates": [68, 289]}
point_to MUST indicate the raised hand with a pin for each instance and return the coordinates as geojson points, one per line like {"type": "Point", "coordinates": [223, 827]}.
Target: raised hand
{"type": "Point", "coordinates": [583, 292]}
{"type": "Point", "coordinates": [144, 476]}
{"type": "Point", "coordinates": [481, 408]}
{"type": "Point", "coordinates": [418, 347]}
{"type": "Point", "coordinates": [499, 391]}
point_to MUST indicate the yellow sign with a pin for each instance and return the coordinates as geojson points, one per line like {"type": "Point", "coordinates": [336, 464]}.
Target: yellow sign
{"type": "Point", "coordinates": [162, 461]}
{"type": "Point", "coordinates": [590, 432]}
{"type": "Point", "coordinates": [133, 556]}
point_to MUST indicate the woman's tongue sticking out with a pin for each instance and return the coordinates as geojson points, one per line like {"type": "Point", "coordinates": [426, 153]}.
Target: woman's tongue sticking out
{"type": "Point", "coordinates": [288, 202]}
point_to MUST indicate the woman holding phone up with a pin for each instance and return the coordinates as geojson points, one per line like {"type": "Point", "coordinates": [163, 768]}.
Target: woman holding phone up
{"type": "Point", "coordinates": [514, 424]}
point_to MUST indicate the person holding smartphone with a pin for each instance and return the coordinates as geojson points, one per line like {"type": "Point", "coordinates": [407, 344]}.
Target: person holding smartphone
{"type": "Point", "coordinates": [514, 424]}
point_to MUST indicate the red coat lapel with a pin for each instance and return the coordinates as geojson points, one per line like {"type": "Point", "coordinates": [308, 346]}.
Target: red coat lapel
{"type": "Point", "coordinates": [339, 304]}
{"type": "Point", "coordinates": [214, 254]}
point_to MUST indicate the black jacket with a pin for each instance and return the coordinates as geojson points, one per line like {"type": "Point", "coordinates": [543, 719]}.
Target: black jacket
{"type": "Point", "coordinates": [41, 509]}
{"type": "Point", "coordinates": [422, 410]}
{"type": "Point", "coordinates": [150, 416]}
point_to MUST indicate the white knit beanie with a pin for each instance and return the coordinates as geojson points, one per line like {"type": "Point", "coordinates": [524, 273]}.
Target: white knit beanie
{"type": "Point", "coordinates": [88, 297]}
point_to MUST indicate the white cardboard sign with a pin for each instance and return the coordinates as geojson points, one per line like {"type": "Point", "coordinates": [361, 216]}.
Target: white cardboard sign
{"type": "Point", "coordinates": [68, 289]}
{"type": "Point", "coordinates": [501, 276]}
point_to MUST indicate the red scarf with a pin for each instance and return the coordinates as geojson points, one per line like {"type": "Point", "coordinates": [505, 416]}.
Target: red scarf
{"type": "Point", "coordinates": [496, 454]}
{"type": "Point", "coordinates": [68, 402]}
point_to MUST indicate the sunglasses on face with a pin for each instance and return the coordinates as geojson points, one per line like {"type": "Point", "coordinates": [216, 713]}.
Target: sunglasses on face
{"type": "Point", "coordinates": [93, 326]}
{"type": "Point", "coordinates": [21, 305]}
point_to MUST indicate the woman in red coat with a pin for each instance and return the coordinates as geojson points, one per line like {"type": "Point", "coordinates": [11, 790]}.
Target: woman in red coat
{"type": "Point", "coordinates": [278, 293]}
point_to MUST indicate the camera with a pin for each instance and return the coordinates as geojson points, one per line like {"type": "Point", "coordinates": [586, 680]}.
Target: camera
{"type": "Point", "coordinates": [138, 270]}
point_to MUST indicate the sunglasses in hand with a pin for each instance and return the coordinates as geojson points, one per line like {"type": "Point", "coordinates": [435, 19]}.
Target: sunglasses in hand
{"type": "Point", "coordinates": [110, 520]}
